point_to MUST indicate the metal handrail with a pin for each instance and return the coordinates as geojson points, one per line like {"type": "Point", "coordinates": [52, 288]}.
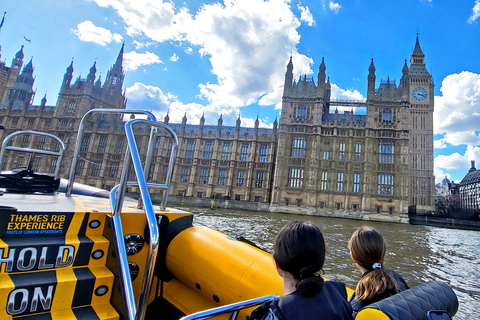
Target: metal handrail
{"type": "Point", "coordinates": [233, 308]}
{"type": "Point", "coordinates": [117, 194]}
{"type": "Point", "coordinates": [81, 131]}
{"type": "Point", "coordinates": [29, 150]}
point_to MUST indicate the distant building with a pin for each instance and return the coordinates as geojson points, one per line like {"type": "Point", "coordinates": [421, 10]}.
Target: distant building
{"type": "Point", "coordinates": [470, 189]}
{"type": "Point", "coordinates": [446, 188]}
{"type": "Point", "coordinates": [316, 159]}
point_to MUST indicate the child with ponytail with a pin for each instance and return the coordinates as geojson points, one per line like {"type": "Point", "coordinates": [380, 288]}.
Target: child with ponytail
{"type": "Point", "coordinates": [367, 249]}
{"type": "Point", "coordinates": [299, 254]}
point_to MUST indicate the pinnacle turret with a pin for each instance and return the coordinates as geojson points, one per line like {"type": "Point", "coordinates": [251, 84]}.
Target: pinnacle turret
{"type": "Point", "coordinates": [91, 74]}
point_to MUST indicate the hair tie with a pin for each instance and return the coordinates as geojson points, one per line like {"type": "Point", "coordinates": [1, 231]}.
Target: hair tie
{"type": "Point", "coordinates": [377, 265]}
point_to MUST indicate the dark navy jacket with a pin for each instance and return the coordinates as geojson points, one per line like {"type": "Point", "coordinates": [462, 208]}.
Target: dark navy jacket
{"type": "Point", "coordinates": [357, 304]}
{"type": "Point", "coordinates": [329, 304]}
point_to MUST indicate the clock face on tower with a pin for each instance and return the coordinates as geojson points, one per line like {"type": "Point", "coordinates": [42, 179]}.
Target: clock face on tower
{"type": "Point", "coordinates": [419, 94]}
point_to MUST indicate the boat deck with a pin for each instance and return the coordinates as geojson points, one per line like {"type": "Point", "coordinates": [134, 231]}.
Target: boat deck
{"type": "Point", "coordinates": [60, 203]}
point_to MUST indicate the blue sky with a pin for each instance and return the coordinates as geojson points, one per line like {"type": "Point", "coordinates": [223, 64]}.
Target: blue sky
{"type": "Point", "coordinates": [229, 57]}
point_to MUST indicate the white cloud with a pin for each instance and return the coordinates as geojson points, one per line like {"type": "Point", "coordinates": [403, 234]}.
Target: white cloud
{"type": "Point", "coordinates": [348, 94]}
{"type": "Point", "coordinates": [189, 50]}
{"type": "Point", "coordinates": [452, 161]}
{"type": "Point", "coordinates": [134, 60]}
{"type": "Point", "coordinates": [245, 41]}
{"type": "Point", "coordinates": [456, 161]}
{"type": "Point", "coordinates": [439, 144]}
{"type": "Point", "coordinates": [306, 16]}
{"type": "Point", "coordinates": [440, 175]}
{"type": "Point", "coordinates": [475, 12]}
{"type": "Point", "coordinates": [174, 58]}
{"type": "Point", "coordinates": [335, 7]}
{"type": "Point", "coordinates": [461, 93]}
{"type": "Point", "coordinates": [86, 31]}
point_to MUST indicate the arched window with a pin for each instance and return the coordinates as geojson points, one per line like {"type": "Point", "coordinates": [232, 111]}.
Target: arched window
{"type": "Point", "coordinates": [387, 116]}
{"type": "Point", "coordinates": [71, 106]}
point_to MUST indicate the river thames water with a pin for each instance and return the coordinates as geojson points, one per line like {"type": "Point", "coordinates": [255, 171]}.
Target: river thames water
{"type": "Point", "coordinates": [418, 253]}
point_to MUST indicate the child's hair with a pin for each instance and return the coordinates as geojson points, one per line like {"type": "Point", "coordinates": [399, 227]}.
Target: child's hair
{"type": "Point", "coordinates": [300, 250]}
{"type": "Point", "coordinates": [368, 248]}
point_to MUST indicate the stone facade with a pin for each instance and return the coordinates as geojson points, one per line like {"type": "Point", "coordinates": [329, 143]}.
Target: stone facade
{"type": "Point", "coordinates": [317, 159]}
{"type": "Point", "coordinates": [469, 190]}
{"type": "Point", "coordinates": [378, 162]}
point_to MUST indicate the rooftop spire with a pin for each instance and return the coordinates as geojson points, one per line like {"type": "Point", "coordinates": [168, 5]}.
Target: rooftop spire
{"type": "Point", "coordinates": [418, 51]}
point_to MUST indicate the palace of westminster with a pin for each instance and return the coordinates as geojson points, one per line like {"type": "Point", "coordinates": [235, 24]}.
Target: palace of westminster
{"type": "Point", "coordinates": [313, 159]}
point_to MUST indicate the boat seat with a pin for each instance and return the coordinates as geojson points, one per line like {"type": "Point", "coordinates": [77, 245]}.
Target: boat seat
{"type": "Point", "coordinates": [413, 304]}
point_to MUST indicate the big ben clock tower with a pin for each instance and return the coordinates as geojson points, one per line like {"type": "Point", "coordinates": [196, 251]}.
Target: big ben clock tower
{"type": "Point", "coordinates": [421, 100]}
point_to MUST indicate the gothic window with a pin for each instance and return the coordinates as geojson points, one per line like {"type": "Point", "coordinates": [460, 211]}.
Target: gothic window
{"type": "Point", "coordinates": [225, 151]}
{"type": "Point", "coordinates": [31, 122]}
{"type": "Point", "coordinates": [385, 184]}
{"type": "Point", "coordinates": [25, 141]}
{"type": "Point", "coordinates": [20, 161]}
{"type": "Point", "coordinates": [262, 157]}
{"type": "Point", "coordinates": [356, 182]}
{"type": "Point", "coordinates": [102, 142]}
{"type": "Point", "coordinates": [298, 147]}
{"type": "Point", "coordinates": [53, 165]}
{"type": "Point", "coordinates": [14, 121]}
{"type": "Point", "coordinates": [387, 117]}
{"type": "Point", "coordinates": [96, 169]}
{"type": "Point", "coordinates": [22, 95]}
{"type": "Point", "coordinates": [47, 124]}
{"type": "Point", "coordinates": [386, 152]}
{"type": "Point", "coordinates": [326, 155]}
{"type": "Point", "coordinates": [79, 167]}
{"type": "Point", "coordinates": [169, 150]}
{"type": "Point", "coordinates": [64, 122]}
{"type": "Point", "coordinates": [358, 152]}
{"type": "Point", "coordinates": [341, 151]}
{"type": "Point", "coordinates": [158, 141]}
{"type": "Point", "coordinates": [151, 171]}
{"type": "Point", "coordinates": [189, 150]}
{"type": "Point", "coordinates": [71, 106]}
{"type": "Point", "coordinates": [244, 152]}
{"type": "Point", "coordinates": [260, 179]}
{"type": "Point", "coordinates": [324, 183]}
{"type": "Point", "coordinates": [301, 113]}
{"type": "Point", "coordinates": [36, 164]}
{"type": "Point", "coordinates": [85, 143]}
{"type": "Point", "coordinates": [296, 178]}
{"type": "Point", "coordinates": [118, 146]}
{"type": "Point", "coordinates": [113, 170]}
{"type": "Point", "coordinates": [422, 122]}
{"type": "Point", "coordinates": [207, 151]}
{"type": "Point", "coordinates": [185, 174]}
{"type": "Point", "coordinates": [164, 173]}
{"type": "Point", "coordinates": [340, 181]}
{"type": "Point", "coordinates": [41, 142]}
{"type": "Point", "coordinates": [241, 178]}
{"type": "Point", "coordinates": [222, 174]}
{"type": "Point", "coordinates": [203, 176]}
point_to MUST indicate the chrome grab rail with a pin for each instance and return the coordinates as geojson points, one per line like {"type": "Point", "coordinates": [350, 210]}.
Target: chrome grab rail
{"type": "Point", "coordinates": [81, 130]}
{"type": "Point", "coordinates": [29, 150]}
{"type": "Point", "coordinates": [117, 194]}
{"type": "Point", "coordinates": [233, 308]}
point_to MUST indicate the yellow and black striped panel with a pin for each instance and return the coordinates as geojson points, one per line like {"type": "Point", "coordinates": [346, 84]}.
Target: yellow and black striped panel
{"type": "Point", "coordinates": [78, 242]}
{"type": "Point", "coordinates": [100, 312]}
{"type": "Point", "coordinates": [25, 294]}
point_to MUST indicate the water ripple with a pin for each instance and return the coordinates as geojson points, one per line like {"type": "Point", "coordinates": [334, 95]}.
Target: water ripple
{"type": "Point", "coordinates": [418, 253]}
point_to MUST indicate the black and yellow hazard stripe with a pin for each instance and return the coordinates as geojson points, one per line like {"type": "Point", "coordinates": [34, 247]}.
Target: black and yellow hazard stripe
{"type": "Point", "coordinates": [56, 291]}
{"type": "Point", "coordinates": [81, 244]}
